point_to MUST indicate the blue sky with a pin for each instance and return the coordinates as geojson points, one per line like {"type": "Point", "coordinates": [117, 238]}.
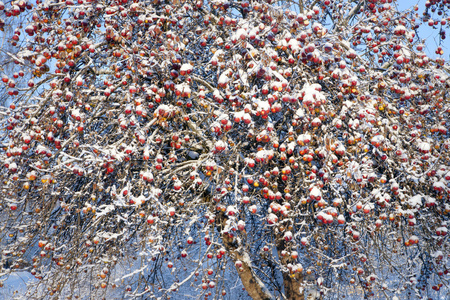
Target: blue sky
{"type": "Point", "coordinates": [427, 33]}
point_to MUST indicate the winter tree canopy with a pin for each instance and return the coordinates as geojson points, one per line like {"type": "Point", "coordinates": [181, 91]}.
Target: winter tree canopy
{"type": "Point", "coordinates": [189, 149]}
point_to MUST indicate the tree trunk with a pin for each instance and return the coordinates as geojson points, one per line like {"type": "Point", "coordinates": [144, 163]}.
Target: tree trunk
{"type": "Point", "coordinates": [292, 282]}
{"type": "Point", "coordinates": [252, 284]}
{"type": "Point", "coordinates": [292, 285]}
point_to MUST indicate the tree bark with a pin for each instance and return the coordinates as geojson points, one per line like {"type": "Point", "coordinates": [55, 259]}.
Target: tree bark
{"type": "Point", "coordinates": [292, 282]}
{"type": "Point", "coordinates": [252, 284]}
{"type": "Point", "coordinates": [292, 285]}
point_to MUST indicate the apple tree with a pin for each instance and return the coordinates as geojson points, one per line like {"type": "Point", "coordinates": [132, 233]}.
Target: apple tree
{"type": "Point", "coordinates": [223, 149]}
